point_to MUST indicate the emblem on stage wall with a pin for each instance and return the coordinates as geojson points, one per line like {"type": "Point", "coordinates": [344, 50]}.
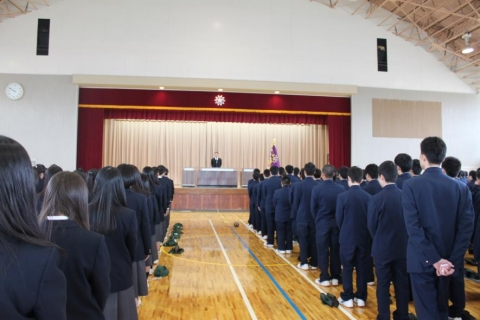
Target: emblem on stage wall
{"type": "Point", "coordinates": [220, 100]}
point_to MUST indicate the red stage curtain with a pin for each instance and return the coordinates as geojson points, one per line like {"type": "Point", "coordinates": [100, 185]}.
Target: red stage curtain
{"type": "Point", "coordinates": [339, 140]}
{"type": "Point", "coordinates": [208, 116]}
{"type": "Point", "coordinates": [90, 138]}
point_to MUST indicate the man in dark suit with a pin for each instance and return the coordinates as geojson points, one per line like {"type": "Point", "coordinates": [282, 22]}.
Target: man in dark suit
{"type": "Point", "coordinates": [404, 164]}
{"type": "Point", "coordinates": [371, 174]}
{"type": "Point", "coordinates": [283, 223]}
{"type": "Point", "coordinates": [216, 162]}
{"type": "Point", "coordinates": [289, 169]}
{"type": "Point", "coordinates": [439, 220]}
{"type": "Point", "coordinates": [342, 177]}
{"type": "Point", "coordinates": [305, 223]}
{"type": "Point", "coordinates": [261, 201]}
{"type": "Point", "coordinates": [268, 189]}
{"type": "Point", "coordinates": [351, 216]}
{"type": "Point", "coordinates": [387, 228]}
{"type": "Point", "coordinates": [323, 204]}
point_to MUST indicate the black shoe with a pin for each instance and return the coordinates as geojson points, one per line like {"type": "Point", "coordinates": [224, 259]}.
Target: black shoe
{"type": "Point", "coordinates": [411, 316]}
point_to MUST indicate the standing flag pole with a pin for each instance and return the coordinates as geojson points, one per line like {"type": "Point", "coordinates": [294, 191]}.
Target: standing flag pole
{"type": "Point", "coordinates": [274, 159]}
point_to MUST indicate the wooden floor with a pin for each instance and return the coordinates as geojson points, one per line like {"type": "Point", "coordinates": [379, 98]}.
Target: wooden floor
{"type": "Point", "coordinates": [228, 273]}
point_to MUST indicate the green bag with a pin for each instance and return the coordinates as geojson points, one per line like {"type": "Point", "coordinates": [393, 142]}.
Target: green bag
{"type": "Point", "coordinates": [170, 243]}
{"type": "Point", "coordinates": [161, 271]}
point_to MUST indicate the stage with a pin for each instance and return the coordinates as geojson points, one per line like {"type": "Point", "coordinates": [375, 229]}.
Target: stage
{"type": "Point", "coordinates": [211, 199]}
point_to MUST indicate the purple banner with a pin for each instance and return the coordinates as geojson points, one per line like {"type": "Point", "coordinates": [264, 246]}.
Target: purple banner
{"type": "Point", "coordinates": [274, 158]}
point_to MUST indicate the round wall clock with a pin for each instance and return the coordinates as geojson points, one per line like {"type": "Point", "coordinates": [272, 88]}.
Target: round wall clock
{"type": "Point", "coordinates": [14, 91]}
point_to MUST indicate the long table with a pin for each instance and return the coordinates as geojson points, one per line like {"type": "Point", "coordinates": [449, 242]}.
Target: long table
{"type": "Point", "coordinates": [215, 177]}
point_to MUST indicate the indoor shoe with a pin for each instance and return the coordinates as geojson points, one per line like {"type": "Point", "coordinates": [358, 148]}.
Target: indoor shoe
{"type": "Point", "coordinates": [280, 251]}
{"type": "Point", "coordinates": [359, 302]}
{"type": "Point", "coordinates": [289, 251]}
{"type": "Point", "coordinates": [346, 303]}
{"type": "Point", "coordinates": [325, 283]}
{"type": "Point", "coordinates": [270, 245]}
{"type": "Point", "coordinates": [302, 266]}
{"type": "Point", "coordinates": [371, 283]}
{"type": "Point", "coordinates": [334, 282]}
{"type": "Point", "coordinates": [313, 267]}
{"type": "Point", "coordinates": [264, 238]}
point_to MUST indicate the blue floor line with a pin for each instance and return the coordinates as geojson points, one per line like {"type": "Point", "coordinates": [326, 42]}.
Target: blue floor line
{"type": "Point", "coordinates": [300, 314]}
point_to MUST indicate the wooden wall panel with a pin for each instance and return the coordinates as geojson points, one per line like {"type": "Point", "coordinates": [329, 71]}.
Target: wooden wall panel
{"type": "Point", "coordinates": [210, 199]}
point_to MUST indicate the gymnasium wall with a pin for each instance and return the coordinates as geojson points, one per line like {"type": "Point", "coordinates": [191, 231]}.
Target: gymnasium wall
{"type": "Point", "coordinates": [44, 120]}
{"type": "Point", "coordinates": [460, 117]}
{"type": "Point", "coordinates": [272, 40]}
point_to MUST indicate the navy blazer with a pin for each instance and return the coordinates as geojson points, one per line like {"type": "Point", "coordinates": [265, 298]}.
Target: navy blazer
{"type": "Point", "coordinates": [386, 224]}
{"type": "Point", "coordinates": [324, 203]}
{"type": "Point", "coordinates": [439, 219]}
{"type": "Point", "coordinates": [281, 204]}
{"type": "Point", "coordinates": [351, 215]}
{"type": "Point", "coordinates": [302, 198]}
{"type": "Point", "coordinates": [261, 195]}
{"type": "Point", "coordinates": [216, 163]}
{"type": "Point", "coordinates": [161, 196]}
{"type": "Point", "coordinates": [269, 187]}
{"type": "Point", "coordinates": [293, 214]}
{"type": "Point", "coordinates": [293, 178]}
{"type": "Point", "coordinates": [402, 178]}
{"type": "Point", "coordinates": [122, 245]}
{"type": "Point", "coordinates": [343, 183]}
{"type": "Point", "coordinates": [86, 265]}
{"type": "Point", "coordinates": [164, 181]}
{"type": "Point", "coordinates": [151, 212]}
{"type": "Point", "coordinates": [373, 187]}
{"type": "Point", "coordinates": [32, 286]}
{"type": "Point", "coordinates": [252, 192]}
{"type": "Point", "coordinates": [138, 203]}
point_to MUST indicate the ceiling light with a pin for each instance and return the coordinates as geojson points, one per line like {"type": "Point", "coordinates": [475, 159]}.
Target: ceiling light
{"type": "Point", "coordinates": [277, 92]}
{"type": "Point", "coordinates": [220, 90]}
{"type": "Point", "coordinates": [161, 88]}
{"type": "Point", "coordinates": [466, 37]}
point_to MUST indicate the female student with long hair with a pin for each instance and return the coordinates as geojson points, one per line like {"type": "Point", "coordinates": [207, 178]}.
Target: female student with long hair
{"type": "Point", "coordinates": [110, 216]}
{"type": "Point", "coordinates": [86, 263]}
{"type": "Point", "coordinates": [30, 277]}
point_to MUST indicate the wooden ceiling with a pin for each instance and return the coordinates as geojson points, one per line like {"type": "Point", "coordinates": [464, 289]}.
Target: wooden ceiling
{"type": "Point", "coordinates": [435, 25]}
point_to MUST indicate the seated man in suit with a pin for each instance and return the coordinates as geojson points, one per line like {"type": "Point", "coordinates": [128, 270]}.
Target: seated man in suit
{"type": "Point", "coordinates": [216, 161]}
{"type": "Point", "coordinates": [439, 219]}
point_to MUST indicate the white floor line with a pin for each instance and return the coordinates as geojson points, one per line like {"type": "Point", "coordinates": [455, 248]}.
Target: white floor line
{"type": "Point", "coordinates": [235, 277]}
{"type": "Point", "coordinates": [340, 307]}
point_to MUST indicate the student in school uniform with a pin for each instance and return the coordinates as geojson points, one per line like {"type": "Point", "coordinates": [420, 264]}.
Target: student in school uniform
{"type": "Point", "coordinates": [110, 217]}
{"type": "Point", "coordinates": [161, 202]}
{"type": "Point", "coordinates": [51, 171]}
{"type": "Point", "coordinates": [371, 174]}
{"type": "Point", "coordinates": [439, 221]}
{"type": "Point", "coordinates": [258, 215]}
{"type": "Point", "coordinates": [32, 286]}
{"type": "Point", "coordinates": [268, 189]}
{"type": "Point", "coordinates": [252, 183]}
{"type": "Point", "coordinates": [138, 203]}
{"type": "Point", "coordinates": [293, 178]}
{"type": "Point", "coordinates": [261, 197]}
{"type": "Point", "coordinates": [86, 262]}
{"type": "Point", "coordinates": [342, 177]}
{"type": "Point", "coordinates": [416, 168]}
{"type": "Point", "coordinates": [404, 164]}
{"type": "Point", "coordinates": [305, 222]}
{"type": "Point", "coordinates": [281, 204]}
{"type": "Point", "coordinates": [323, 205]}
{"type": "Point", "coordinates": [154, 212]}
{"type": "Point", "coordinates": [351, 215]}
{"type": "Point", "coordinates": [387, 228]}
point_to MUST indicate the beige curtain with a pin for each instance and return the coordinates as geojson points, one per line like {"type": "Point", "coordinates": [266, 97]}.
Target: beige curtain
{"type": "Point", "coordinates": [192, 144]}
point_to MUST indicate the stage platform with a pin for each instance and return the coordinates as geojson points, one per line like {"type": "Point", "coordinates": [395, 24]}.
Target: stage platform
{"type": "Point", "coordinates": [211, 199]}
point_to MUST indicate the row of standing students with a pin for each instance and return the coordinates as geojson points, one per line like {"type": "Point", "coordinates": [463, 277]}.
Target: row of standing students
{"type": "Point", "coordinates": [423, 230]}
{"type": "Point", "coordinates": [76, 259]}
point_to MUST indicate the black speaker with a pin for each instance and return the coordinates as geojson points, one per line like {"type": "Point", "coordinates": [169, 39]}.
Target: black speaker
{"type": "Point", "coordinates": [382, 55]}
{"type": "Point", "coordinates": [43, 37]}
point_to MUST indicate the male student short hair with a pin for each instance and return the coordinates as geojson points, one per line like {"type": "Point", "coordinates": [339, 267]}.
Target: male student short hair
{"type": "Point", "coordinates": [289, 169]}
{"type": "Point", "coordinates": [256, 176]}
{"type": "Point", "coordinates": [389, 171]}
{"type": "Point", "coordinates": [281, 171]}
{"type": "Point", "coordinates": [309, 168]}
{"type": "Point", "coordinates": [266, 173]}
{"type": "Point", "coordinates": [285, 181]}
{"type": "Point", "coordinates": [434, 149]}
{"type": "Point", "coordinates": [343, 172]}
{"type": "Point", "coordinates": [404, 161]}
{"type": "Point", "coordinates": [329, 171]}
{"type": "Point", "coordinates": [416, 167]}
{"type": "Point", "coordinates": [256, 170]}
{"type": "Point", "coordinates": [372, 170]}
{"type": "Point", "coordinates": [296, 171]}
{"type": "Point", "coordinates": [274, 170]}
{"type": "Point", "coordinates": [473, 174]}
{"type": "Point", "coordinates": [355, 174]}
{"type": "Point", "coordinates": [317, 174]}
{"type": "Point", "coordinates": [452, 166]}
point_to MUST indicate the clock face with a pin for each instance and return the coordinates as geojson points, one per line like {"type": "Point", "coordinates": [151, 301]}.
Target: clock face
{"type": "Point", "coordinates": [14, 91]}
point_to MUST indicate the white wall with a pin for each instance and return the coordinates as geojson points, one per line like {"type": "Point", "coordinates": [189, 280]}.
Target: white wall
{"type": "Point", "coordinates": [271, 40]}
{"type": "Point", "coordinates": [460, 123]}
{"type": "Point", "coordinates": [44, 120]}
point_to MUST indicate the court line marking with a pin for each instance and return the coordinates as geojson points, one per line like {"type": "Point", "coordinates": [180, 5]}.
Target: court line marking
{"type": "Point", "coordinates": [340, 307]}
{"type": "Point", "coordinates": [235, 277]}
{"type": "Point", "coordinates": [292, 304]}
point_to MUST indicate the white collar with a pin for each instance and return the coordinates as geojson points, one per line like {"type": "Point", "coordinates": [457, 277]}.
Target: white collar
{"type": "Point", "coordinates": [57, 218]}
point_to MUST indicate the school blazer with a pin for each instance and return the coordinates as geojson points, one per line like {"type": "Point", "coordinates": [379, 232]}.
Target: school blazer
{"type": "Point", "coordinates": [122, 245]}
{"type": "Point", "coordinates": [164, 181]}
{"type": "Point", "coordinates": [324, 202]}
{"type": "Point", "coordinates": [293, 200]}
{"type": "Point", "coordinates": [373, 187]}
{"type": "Point", "coordinates": [261, 195]}
{"type": "Point", "coordinates": [30, 281]}
{"type": "Point", "coordinates": [351, 216]}
{"type": "Point", "coordinates": [86, 265]}
{"type": "Point", "coordinates": [138, 203]}
{"type": "Point", "coordinates": [269, 187]}
{"type": "Point", "coordinates": [439, 219]}
{"type": "Point", "coordinates": [161, 196]}
{"type": "Point", "coordinates": [302, 199]}
{"type": "Point", "coordinates": [281, 204]}
{"type": "Point", "coordinates": [216, 163]}
{"type": "Point", "coordinates": [402, 178]}
{"type": "Point", "coordinates": [293, 179]}
{"type": "Point", "coordinates": [387, 225]}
